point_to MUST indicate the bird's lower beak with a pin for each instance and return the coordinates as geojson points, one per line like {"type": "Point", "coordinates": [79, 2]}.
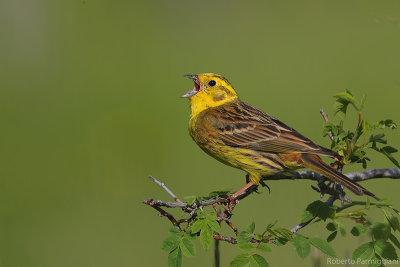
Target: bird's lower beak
{"type": "Point", "coordinates": [196, 87]}
{"type": "Point", "coordinates": [189, 93]}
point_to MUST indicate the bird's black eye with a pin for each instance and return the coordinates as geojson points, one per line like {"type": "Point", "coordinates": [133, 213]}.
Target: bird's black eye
{"type": "Point", "coordinates": [212, 83]}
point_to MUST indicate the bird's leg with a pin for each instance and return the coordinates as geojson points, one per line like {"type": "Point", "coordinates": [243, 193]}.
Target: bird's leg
{"type": "Point", "coordinates": [240, 191]}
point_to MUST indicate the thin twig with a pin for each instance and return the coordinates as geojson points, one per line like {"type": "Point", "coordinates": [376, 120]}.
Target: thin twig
{"type": "Point", "coordinates": [165, 188]}
{"type": "Point", "coordinates": [325, 116]}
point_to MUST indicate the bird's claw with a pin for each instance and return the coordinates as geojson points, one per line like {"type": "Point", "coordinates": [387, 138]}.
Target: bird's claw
{"type": "Point", "coordinates": [335, 190]}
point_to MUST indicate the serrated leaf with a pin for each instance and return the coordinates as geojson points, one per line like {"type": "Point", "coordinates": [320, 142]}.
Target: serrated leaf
{"type": "Point", "coordinates": [331, 227]}
{"type": "Point", "coordinates": [170, 243]}
{"type": "Point", "coordinates": [323, 246]}
{"type": "Point", "coordinates": [380, 231]}
{"type": "Point", "coordinates": [281, 241]}
{"type": "Point", "coordinates": [392, 220]}
{"type": "Point", "coordinates": [211, 216]}
{"type": "Point", "coordinates": [359, 229]}
{"type": "Point", "coordinates": [244, 237]}
{"type": "Point", "coordinates": [246, 246]}
{"type": "Point", "coordinates": [206, 236]}
{"type": "Point", "coordinates": [264, 247]}
{"type": "Point", "coordinates": [394, 240]}
{"type": "Point", "coordinates": [258, 261]}
{"type": "Point", "coordinates": [301, 245]}
{"type": "Point", "coordinates": [175, 230]}
{"type": "Point", "coordinates": [250, 228]}
{"type": "Point", "coordinates": [285, 233]}
{"type": "Point", "coordinates": [214, 226]}
{"type": "Point", "coordinates": [311, 211]}
{"type": "Point", "coordinates": [332, 236]}
{"type": "Point", "coordinates": [364, 251]}
{"type": "Point", "coordinates": [175, 258]}
{"type": "Point", "coordinates": [197, 225]}
{"type": "Point", "coordinates": [187, 247]}
{"type": "Point", "coordinates": [189, 235]}
{"type": "Point", "coordinates": [376, 261]}
{"type": "Point", "coordinates": [240, 260]}
{"type": "Point", "coordinates": [385, 250]}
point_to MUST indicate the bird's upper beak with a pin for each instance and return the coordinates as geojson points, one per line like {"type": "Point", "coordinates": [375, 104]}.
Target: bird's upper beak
{"type": "Point", "coordinates": [196, 87]}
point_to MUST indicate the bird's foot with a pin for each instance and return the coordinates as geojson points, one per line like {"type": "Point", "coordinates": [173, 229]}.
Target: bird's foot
{"type": "Point", "coordinates": [264, 185]}
{"type": "Point", "coordinates": [335, 190]}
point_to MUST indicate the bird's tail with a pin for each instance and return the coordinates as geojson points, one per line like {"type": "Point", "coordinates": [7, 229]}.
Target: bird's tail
{"type": "Point", "coordinates": [315, 163]}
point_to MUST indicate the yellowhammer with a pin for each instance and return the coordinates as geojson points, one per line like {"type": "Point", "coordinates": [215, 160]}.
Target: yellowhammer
{"type": "Point", "coordinates": [244, 137]}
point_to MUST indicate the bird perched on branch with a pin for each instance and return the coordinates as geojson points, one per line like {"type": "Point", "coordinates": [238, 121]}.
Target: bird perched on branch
{"type": "Point", "coordinates": [247, 138]}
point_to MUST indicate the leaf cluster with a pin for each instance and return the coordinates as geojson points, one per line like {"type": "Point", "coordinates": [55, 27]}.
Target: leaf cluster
{"type": "Point", "coordinates": [353, 145]}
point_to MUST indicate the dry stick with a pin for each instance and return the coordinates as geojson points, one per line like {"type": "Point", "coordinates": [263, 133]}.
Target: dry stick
{"type": "Point", "coordinates": [165, 188]}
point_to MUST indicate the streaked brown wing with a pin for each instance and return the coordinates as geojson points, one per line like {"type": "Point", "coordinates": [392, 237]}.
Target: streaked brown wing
{"type": "Point", "coordinates": [241, 125]}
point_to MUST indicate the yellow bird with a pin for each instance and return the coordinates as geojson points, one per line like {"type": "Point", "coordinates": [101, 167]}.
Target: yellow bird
{"type": "Point", "coordinates": [246, 138]}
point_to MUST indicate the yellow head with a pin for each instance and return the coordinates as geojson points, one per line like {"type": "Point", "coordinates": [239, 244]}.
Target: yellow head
{"type": "Point", "coordinates": [210, 90]}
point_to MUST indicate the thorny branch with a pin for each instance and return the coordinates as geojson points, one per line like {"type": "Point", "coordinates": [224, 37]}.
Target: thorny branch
{"type": "Point", "coordinates": [224, 200]}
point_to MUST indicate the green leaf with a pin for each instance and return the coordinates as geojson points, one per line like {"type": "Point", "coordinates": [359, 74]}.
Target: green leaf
{"type": "Point", "coordinates": [362, 102]}
{"type": "Point", "coordinates": [392, 220]}
{"type": "Point", "coordinates": [323, 246]}
{"type": "Point", "coordinates": [342, 101]}
{"type": "Point", "coordinates": [376, 261]}
{"type": "Point", "coordinates": [285, 233]}
{"type": "Point", "coordinates": [241, 260]}
{"type": "Point", "coordinates": [264, 247]}
{"type": "Point", "coordinates": [380, 230]}
{"type": "Point", "coordinates": [364, 251]}
{"type": "Point", "coordinates": [394, 241]}
{"type": "Point", "coordinates": [197, 225]}
{"type": "Point", "coordinates": [385, 250]}
{"type": "Point", "coordinates": [214, 226]}
{"type": "Point", "coordinates": [332, 236]}
{"type": "Point", "coordinates": [387, 151]}
{"type": "Point", "coordinates": [378, 138]}
{"type": "Point", "coordinates": [368, 203]}
{"type": "Point", "coordinates": [342, 231]}
{"type": "Point", "coordinates": [189, 235]}
{"type": "Point", "coordinates": [187, 247]}
{"type": "Point", "coordinates": [170, 243]}
{"type": "Point", "coordinates": [244, 237]}
{"type": "Point", "coordinates": [250, 228]}
{"type": "Point", "coordinates": [359, 229]}
{"type": "Point", "coordinates": [211, 216]}
{"type": "Point", "coordinates": [331, 227]}
{"type": "Point", "coordinates": [175, 230]}
{"type": "Point", "coordinates": [311, 211]}
{"type": "Point", "coordinates": [246, 246]}
{"type": "Point", "coordinates": [258, 261]}
{"type": "Point", "coordinates": [190, 199]}
{"type": "Point", "coordinates": [301, 245]}
{"type": "Point", "coordinates": [206, 236]}
{"type": "Point", "coordinates": [175, 258]}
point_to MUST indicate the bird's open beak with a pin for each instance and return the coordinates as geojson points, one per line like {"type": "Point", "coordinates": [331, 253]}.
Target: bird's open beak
{"type": "Point", "coordinates": [196, 87]}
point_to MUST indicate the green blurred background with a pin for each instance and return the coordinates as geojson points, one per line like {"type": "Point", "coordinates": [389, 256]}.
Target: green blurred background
{"type": "Point", "coordinates": [89, 107]}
